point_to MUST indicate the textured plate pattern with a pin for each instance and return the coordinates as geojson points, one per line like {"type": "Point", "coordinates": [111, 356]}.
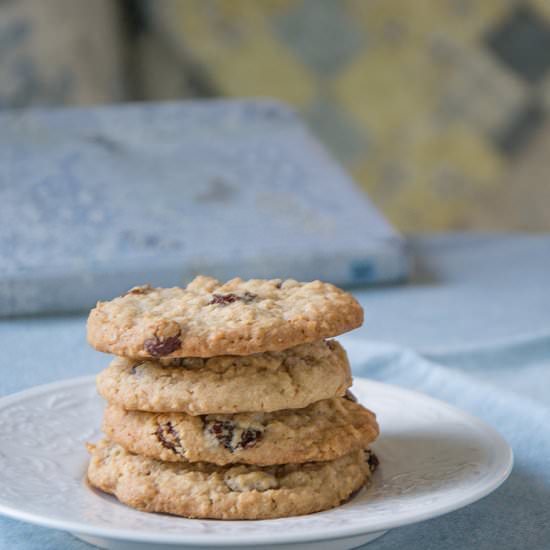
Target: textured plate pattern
{"type": "Point", "coordinates": [434, 459]}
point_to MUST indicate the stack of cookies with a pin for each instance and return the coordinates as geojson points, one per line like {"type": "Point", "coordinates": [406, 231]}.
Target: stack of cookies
{"type": "Point", "coordinates": [227, 400]}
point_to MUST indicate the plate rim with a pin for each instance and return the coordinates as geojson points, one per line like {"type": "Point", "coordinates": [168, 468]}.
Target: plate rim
{"type": "Point", "coordinates": [502, 472]}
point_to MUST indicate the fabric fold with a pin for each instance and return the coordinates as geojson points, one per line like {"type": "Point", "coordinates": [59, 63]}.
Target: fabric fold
{"type": "Point", "coordinates": [517, 514]}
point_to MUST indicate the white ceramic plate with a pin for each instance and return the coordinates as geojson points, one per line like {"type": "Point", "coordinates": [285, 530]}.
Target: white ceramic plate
{"type": "Point", "coordinates": [434, 459]}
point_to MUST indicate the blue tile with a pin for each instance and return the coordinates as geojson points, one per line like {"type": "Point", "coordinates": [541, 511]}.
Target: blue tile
{"type": "Point", "coordinates": [522, 42]}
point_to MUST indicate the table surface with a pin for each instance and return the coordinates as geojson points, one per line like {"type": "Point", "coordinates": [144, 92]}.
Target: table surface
{"type": "Point", "coordinates": [473, 304]}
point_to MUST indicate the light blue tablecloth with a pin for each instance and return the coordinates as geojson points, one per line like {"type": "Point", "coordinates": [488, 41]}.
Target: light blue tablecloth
{"type": "Point", "coordinates": [472, 328]}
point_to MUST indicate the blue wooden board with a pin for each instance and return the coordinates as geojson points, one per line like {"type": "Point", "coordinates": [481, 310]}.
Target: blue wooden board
{"type": "Point", "coordinates": [96, 200]}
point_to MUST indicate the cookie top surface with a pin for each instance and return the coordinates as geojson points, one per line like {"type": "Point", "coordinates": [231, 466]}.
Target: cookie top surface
{"type": "Point", "coordinates": [203, 490]}
{"type": "Point", "coordinates": [208, 318]}
{"type": "Point", "coordinates": [322, 431]}
{"type": "Point", "coordinates": [229, 384]}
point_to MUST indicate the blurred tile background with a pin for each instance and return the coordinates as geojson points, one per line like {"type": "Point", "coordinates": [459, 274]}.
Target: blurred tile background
{"type": "Point", "coordinates": [60, 52]}
{"type": "Point", "coordinates": [439, 108]}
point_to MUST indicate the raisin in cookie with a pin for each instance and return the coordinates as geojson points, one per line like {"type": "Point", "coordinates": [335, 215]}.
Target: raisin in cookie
{"type": "Point", "coordinates": [262, 382]}
{"type": "Point", "coordinates": [325, 430]}
{"type": "Point", "coordinates": [202, 490]}
{"type": "Point", "coordinates": [208, 318]}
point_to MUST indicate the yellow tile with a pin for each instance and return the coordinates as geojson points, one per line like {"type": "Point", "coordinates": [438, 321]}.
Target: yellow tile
{"type": "Point", "coordinates": [484, 92]}
{"type": "Point", "coordinates": [420, 209]}
{"type": "Point", "coordinates": [424, 19]}
{"type": "Point", "coordinates": [461, 150]}
{"type": "Point", "coordinates": [542, 7]}
{"type": "Point", "coordinates": [386, 90]}
{"type": "Point", "coordinates": [242, 8]}
{"type": "Point", "coordinates": [265, 70]}
{"type": "Point", "coordinates": [242, 56]}
{"type": "Point", "coordinates": [544, 92]}
{"type": "Point", "coordinates": [441, 173]}
{"type": "Point", "coordinates": [205, 30]}
{"type": "Point", "coordinates": [411, 206]}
